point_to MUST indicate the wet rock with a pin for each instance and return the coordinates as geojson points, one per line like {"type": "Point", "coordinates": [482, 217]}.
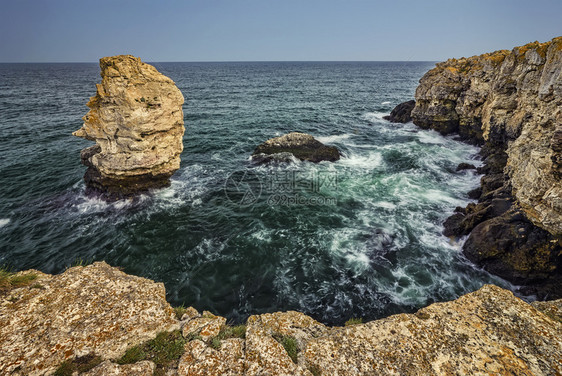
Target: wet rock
{"type": "Point", "coordinates": [513, 248]}
{"type": "Point", "coordinates": [94, 309]}
{"type": "Point", "coordinates": [302, 146]}
{"type": "Point", "coordinates": [465, 166]}
{"type": "Point", "coordinates": [401, 113]}
{"type": "Point", "coordinates": [136, 120]}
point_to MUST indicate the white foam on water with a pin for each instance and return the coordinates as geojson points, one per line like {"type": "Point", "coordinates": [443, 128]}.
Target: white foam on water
{"type": "Point", "coordinates": [4, 222]}
{"type": "Point", "coordinates": [374, 116]}
{"type": "Point", "coordinates": [369, 161]}
{"type": "Point", "coordinates": [333, 138]}
{"type": "Point", "coordinates": [384, 204]}
{"type": "Point", "coordinates": [386, 102]}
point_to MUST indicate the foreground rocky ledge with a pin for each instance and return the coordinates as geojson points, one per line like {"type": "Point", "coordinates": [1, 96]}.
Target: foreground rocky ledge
{"type": "Point", "coordinates": [99, 311]}
{"type": "Point", "coordinates": [136, 120]}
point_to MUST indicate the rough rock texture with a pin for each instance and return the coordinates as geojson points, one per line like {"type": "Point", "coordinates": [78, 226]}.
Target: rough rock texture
{"type": "Point", "coordinates": [95, 309]}
{"type": "Point", "coordinates": [486, 332]}
{"type": "Point", "coordinates": [300, 145]}
{"type": "Point", "coordinates": [401, 113]}
{"type": "Point", "coordinates": [510, 101]}
{"type": "Point", "coordinates": [100, 310]}
{"type": "Point", "coordinates": [107, 368]}
{"type": "Point", "coordinates": [136, 120]}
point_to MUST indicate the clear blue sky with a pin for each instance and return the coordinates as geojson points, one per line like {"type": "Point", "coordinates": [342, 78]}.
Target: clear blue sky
{"type": "Point", "coordinates": [269, 30]}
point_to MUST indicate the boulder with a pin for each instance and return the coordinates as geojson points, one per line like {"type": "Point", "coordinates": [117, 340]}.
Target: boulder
{"type": "Point", "coordinates": [302, 146]}
{"type": "Point", "coordinates": [136, 120]}
{"type": "Point", "coordinates": [401, 113]}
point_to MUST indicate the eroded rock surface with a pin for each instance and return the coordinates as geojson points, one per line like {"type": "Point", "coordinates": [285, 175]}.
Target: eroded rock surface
{"type": "Point", "coordinates": [95, 309]}
{"type": "Point", "coordinates": [511, 102]}
{"type": "Point", "coordinates": [136, 120]}
{"type": "Point", "coordinates": [100, 310]}
{"type": "Point", "coordinates": [486, 332]}
{"type": "Point", "coordinates": [301, 145]}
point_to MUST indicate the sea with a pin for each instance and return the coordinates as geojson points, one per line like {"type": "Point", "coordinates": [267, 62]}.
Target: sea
{"type": "Point", "coordinates": [357, 238]}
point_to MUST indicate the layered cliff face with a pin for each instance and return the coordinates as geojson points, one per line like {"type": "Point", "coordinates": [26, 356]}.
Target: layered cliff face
{"type": "Point", "coordinates": [136, 120]}
{"type": "Point", "coordinates": [510, 102]}
{"type": "Point", "coordinates": [106, 322]}
{"type": "Point", "coordinates": [511, 99]}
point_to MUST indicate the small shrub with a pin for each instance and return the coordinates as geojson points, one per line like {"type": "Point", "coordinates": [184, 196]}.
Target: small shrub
{"type": "Point", "coordinates": [290, 345]}
{"type": "Point", "coordinates": [354, 321]}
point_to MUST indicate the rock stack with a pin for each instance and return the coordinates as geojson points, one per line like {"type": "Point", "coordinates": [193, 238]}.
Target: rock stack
{"type": "Point", "coordinates": [136, 120]}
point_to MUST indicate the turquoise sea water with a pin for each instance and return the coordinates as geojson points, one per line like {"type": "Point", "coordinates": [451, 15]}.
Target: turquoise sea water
{"type": "Point", "coordinates": [357, 238]}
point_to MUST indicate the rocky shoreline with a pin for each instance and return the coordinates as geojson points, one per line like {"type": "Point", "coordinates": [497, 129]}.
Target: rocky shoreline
{"type": "Point", "coordinates": [97, 320]}
{"type": "Point", "coordinates": [508, 102]}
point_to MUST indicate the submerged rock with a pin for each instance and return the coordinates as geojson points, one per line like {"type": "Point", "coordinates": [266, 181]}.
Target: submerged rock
{"type": "Point", "coordinates": [302, 146]}
{"type": "Point", "coordinates": [136, 120]}
{"type": "Point", "coordinates": [401, 113]}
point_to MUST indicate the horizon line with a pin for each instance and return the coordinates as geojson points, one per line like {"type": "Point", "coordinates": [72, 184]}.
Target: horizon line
{"type": "Point", "coordinates": [232, 61]}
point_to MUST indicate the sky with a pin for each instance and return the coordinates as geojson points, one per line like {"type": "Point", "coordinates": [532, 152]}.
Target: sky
{"type": "Point", "coordinates": [270, 30]}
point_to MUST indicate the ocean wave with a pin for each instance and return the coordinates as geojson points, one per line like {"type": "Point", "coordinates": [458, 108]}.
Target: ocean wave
{"type": "Point", "coordinates": [333, 138]}
{"type": "Point", "coordinates": [374, 117]}
{"type": "Point", "coordinates": [4, 222]}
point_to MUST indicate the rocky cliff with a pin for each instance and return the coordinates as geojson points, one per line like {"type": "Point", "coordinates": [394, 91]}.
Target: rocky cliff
{"type": "Point", "coordinates": [136, 120]}
{"type": "Point", "coordinates": [510, 102]}
{"type": "Point", "coordinates": [97, 320]}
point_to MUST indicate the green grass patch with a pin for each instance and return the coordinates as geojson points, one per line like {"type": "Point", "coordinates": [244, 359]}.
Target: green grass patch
{"type": "Point", "coordinates": [226, 332]}
{"type": "Point", "coordinates": [78, 364]}
{"type": "Point", "coordinates": [180, 311]}
{"type": "Point", "coordinates": [354, 321]}
{"type": "Point", "coordinates": [9, 280]}
{"type": "Point", "coordinates": [165, 351]}
{"type": "Point", "coordinates": [290, 345]}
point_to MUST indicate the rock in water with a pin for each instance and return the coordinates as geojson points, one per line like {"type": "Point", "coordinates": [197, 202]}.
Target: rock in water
{"type": "Point", "coordinates": [401, 113]}
{"type": "Point", "coordinates": [136, 120]}
{"type": "Point", "coordinates": [302, 146]}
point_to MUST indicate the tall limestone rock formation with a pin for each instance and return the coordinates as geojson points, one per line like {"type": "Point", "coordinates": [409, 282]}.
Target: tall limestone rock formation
{"type": "Point", "coordinates": [136, 120]}
{"type": "Point", "coordinates": [510, 101]}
